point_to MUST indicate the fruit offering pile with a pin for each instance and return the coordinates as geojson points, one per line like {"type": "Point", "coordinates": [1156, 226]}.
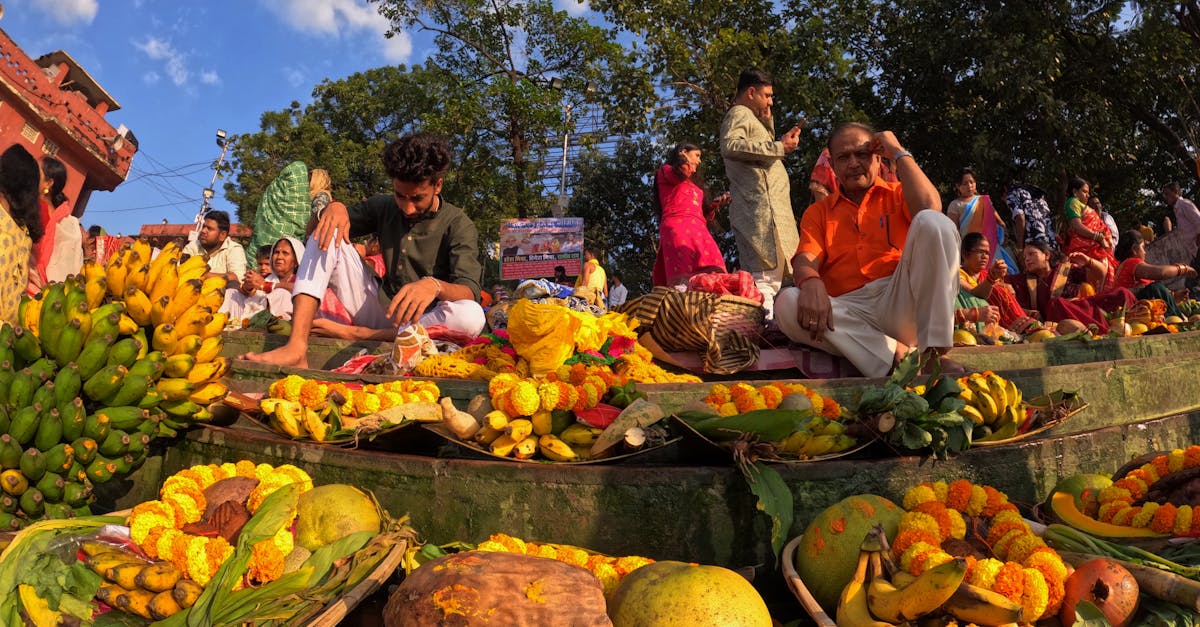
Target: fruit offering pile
{"type": "Point", "coordinates": [82, 393]}
{"type": "Point", "coordinates": [326, 410]}
{"type": "Point", "coordinates": [224, 544]}
{"type": "Point", "coordinates": [558, 417]}
{"type": "Point", "coordinates": [994, 405]}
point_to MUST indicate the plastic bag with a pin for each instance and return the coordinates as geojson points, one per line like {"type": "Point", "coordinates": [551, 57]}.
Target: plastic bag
{"type": "Point", "coordinates": [543, 334]}
{"type": "Point", "coordinates": [739, 283]}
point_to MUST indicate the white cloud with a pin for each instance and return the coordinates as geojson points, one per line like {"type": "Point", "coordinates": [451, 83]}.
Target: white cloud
{"type": "Point", "coordinates": [294, 76]}
{"type": "Point", "coordinates": [574, 8]}
{"type": "Point", "coordinates": [210, 77]}
{"type": "Point", "coordinates": [342, 18]}
{"type": "Point", "coordinates": [151, 77]}
{"type": "Point", "coordinates": [69, 11]}
{"type": "Point", "coordinates": [174, 62]}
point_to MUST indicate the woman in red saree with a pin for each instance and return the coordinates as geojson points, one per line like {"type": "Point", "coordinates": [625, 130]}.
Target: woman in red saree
{"type": "Point", "coordinates": [1053, 288]}
{"type": "Point", "coordinates": [685, 246]}
{"type": "Point", "coordinates": [1087, 233]}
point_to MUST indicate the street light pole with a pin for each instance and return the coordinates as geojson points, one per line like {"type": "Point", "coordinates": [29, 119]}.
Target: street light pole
{"type": "Point", "coordinates": [562, 183]}
{"type": "Point", "coordinates": [209, 192]}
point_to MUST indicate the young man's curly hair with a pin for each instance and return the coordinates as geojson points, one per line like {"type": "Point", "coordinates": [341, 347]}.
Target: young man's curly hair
{"type": "Point", "coordinates": [417, 158]}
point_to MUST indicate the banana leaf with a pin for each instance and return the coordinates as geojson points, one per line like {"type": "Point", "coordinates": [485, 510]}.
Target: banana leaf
{"type": "Point", "coordinates": [770, 425]}
{"type": "Point", "coordinates": [774, 499]}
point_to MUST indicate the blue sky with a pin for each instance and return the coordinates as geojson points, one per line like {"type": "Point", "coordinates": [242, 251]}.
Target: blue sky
{"type": "Point", "coordinates": [182, 70]}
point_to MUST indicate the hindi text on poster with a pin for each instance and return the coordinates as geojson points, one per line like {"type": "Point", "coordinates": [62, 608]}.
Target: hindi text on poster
{"type": "Point", "coordinates": [530, 249]}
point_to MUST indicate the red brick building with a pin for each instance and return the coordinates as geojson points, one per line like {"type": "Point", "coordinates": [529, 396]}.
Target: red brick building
{"type": "Point", "coordinates": [52, 106]}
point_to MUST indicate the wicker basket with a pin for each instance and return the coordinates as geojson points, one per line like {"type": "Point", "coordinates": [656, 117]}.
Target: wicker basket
{"type": "Point", "coordinates": [738, 315]}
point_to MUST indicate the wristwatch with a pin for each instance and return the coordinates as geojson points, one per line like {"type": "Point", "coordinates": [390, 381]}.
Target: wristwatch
{"type": "Point", "coordinates": [902, 154]}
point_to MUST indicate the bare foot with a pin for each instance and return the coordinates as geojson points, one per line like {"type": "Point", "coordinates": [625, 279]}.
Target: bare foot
{"type": "Point", "coordinates": [286, 355]}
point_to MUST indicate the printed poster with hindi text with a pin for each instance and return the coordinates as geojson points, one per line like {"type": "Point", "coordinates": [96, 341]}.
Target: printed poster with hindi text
{"type": "Point", "coordinates": [530, 249]}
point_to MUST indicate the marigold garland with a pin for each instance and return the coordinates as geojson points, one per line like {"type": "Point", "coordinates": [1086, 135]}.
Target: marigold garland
{"type": "Point", "coordinates": [358, 401]}
{"type": "Point", "coordinates": [1025, 570]}
{"type": "Point", "coordinates": [609, 570]}
{"type": "Point", "coordinates": [1115, 504]}
{"type": "Point", "coordinates": [155, 525]}
{"type": "Point", "coordinates": [740, 398]}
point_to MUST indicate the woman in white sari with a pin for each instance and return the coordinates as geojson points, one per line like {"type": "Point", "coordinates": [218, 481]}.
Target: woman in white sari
{"type": "Point", "coordinates": [273, 292]}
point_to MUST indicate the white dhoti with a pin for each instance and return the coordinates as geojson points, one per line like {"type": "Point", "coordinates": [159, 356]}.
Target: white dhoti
{"type": "Point", "coordinates": [342, 269]}
{"type": "Point", "coordinates": [914, 306]}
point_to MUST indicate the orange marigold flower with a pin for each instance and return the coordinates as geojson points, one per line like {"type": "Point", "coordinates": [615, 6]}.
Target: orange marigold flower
{"type": "Point", "coordinates": [907, 537]}
{"type": "Point", "coordinates": [958, 494]}
{"type": "Point", "coordinates": [771, 396]}
{"type": "Point", "coordinates": [1163, 520]}
{"type": "Point", "coordinates": [266, 562]}
{"type": "Point", "coordinates": [1010, 581]}
{"type": "Point", "coordinates": [1161, 465]}
{"type": "Point", "coordinates": [150, 544]}
{"type": "Point", "coordinates": [245, 468]}
{"type": "Point", "coordinates": [1191, 456]}
{"type": "Point", "coordinates": [1000, 547]}
{"type": "Point", "coordinates": [1001, 529]}
{"type": "Point", "coordinates": [995, 501]}
{"type": "Point", "coordinates": [1109, 509]}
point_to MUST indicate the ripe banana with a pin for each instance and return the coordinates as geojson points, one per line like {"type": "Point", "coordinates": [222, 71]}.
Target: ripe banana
{"type": "Point", "coordinates": [933, 588]}
{"type": "Point", "coordinates": [526, 448]}
{"type": "Point", "coordinates": [158, 576]}
{"type": "Point", "coordinates": [580, 435]}
{"type": "Point", "coordinates": [555, 449]}
{"type": "Point", "coordinates": [972, 604]}
{"type": "Point", "coordinates": [852, 608]}
{"type": "Point", "coordinates": [998, 388]}
{"type": "Point", "coordinates": [503, 445]}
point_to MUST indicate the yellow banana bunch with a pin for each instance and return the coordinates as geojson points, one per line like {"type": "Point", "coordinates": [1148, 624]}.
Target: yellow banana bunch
{"type": "Point", "coordinates": [924, 595]}
{"type": "Point", "coordinates": [852, 610]}
{"type": "Point", "coordinates": [294, 419]}
{"type": "Point", "coordinates": [972, 604]}
{"type": "Point", "coordinates": [819, 436]}
{"type": "Point", "coordinates": [991, 401]}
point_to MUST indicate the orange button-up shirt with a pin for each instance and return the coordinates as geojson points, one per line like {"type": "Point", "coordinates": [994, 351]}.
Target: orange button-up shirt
{"type": "Point", "coordinates": [856, 244]}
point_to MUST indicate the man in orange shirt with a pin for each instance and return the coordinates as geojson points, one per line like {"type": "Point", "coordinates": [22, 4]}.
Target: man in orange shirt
{"type": "Point", "coordinates": [877, 265]}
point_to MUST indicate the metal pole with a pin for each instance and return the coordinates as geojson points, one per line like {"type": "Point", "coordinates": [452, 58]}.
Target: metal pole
{"type": "Point", "coordinates": [562, 183]}
{"type": "Point", "coordinates": [204, 206]}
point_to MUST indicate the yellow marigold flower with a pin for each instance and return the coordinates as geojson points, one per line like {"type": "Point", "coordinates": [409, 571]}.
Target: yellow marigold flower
{"type": "Point", "coordinates": [918, 494]}
{"type": "Point", "coordinates": [1000, 547]}
{"type": "Point", "coordinates": [1143, 518]}
{"type": "Point", "coordinates": [164, 545]}
{"type": "Point", "coordinates": [1175, 460]}
{"type": "Point", "coordinates": [147, 516]}
{"type": "Point", "coordinates": [608, 576]}
{"type": "Point", "coordinates": [1151, 472]}
{"type": "Point", "coordinates": [983, 574]}
{"type": "Point", "coordinates": [296, 475]}
{"type": "Point", "coordinates": [216, 551]}
{"type": "Point", "coordinates": [720, 390]}
{"type": "Point", "coordinates": [1035, 596]}
{"type": "Point", "coordinates": [524, 398]}
{"type": "Point", "coordinates": [548, 393]}
{"type": "Point", "coordinates": [501, 382]}
{"type": "Point", "coordinates": [266, 562]}
{"type": "Point", "coordinates": [275, 390]}
{"type": "Point", "coordinates": [491, 546]}
{"type": "Point", "coordinates": [245, 468]}
{"type": "Point", "coordinates": [771, 396]}
{"type": "Point", "coordinates": [978, 500]}
{"type": "Point", "coordinates": [188, 509]}
{"type": "Point", "coordinates": [1108, 510]}
{"type": "Point", "coordinates": [542, 550]}
{"type": "Point", "coordinates": [291, 387]}
{"type": "Point", "coordinates": [958, 526]}
{"type": "Point", "coordinates": [907, 537]}
{"type": "Point", "coordinates": [935, 558]}
{"type": "Point", "coordinates": [922, 521]}
{"type": "Point", "coordinates": [393, 399]}
{"type": "Point", "coordinates": [1125, 514]}
{"type": "Point", "coordinates": [1020, 548]}
{"type": "Point", "coordinates": [1008, 516]}
{"type": "Point", "coordinates": [265, 487]}
{"type": "Point", "coordinates": [150, 545]}
{"type": "Point", "coordinates": [630, 563]}
{"type": "Point", "coordinates": [748, 401]}
{"type": "Point", "coordinates": [941, 490]}
{"type": "Point", "coordinates": [728, 409]}
{"type": "Point", "coordinates": [573, 556]}
{"type": "Point", "coordinates": [1183, 520]}
{"type": "Point", "coordinates": [228, 469]}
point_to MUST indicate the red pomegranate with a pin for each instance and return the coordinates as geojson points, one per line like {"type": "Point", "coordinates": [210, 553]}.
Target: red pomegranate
{"type": "Point", "coordinates": [1105, 583]}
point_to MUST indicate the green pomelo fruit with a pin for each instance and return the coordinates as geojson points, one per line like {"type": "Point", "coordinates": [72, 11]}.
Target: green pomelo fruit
{"type": "Point", "coordinates": [677, 593]}
{"type": "Point", "coordinates": [828, 554]}
{"type": "Point", "coordinates": [329, 512]}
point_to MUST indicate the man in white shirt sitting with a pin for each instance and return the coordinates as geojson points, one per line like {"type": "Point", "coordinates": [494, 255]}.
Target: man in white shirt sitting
{"type": "Point", "coordinates": [225, 257]}
{"type": "Point", "coordinates": [618, 293]}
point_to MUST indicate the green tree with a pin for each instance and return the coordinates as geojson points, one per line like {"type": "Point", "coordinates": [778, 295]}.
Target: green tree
{"type": "Point", "coordinates": [504, 55]}
{"type": "Point", "coordinates": [613, 196]}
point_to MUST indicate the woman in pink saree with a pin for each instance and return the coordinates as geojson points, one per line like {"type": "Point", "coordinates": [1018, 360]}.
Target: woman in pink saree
{"type": "Point", "coordinates": [685, 246]}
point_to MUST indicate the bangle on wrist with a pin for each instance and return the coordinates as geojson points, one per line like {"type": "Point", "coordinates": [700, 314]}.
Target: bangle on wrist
{"type": "Point", "coordinates": [438, 284]}
{"type": "Point", "coordinates": [902, 154]}
{"type": "Point", "coordinates": [804, 280]}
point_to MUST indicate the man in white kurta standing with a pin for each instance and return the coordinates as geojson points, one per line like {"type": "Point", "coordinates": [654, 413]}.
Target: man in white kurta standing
{"type": "Point", "coordinates": [761, 208]}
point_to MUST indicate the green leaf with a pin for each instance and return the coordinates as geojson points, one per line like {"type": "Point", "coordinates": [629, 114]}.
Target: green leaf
{"type": "Point", "coordinates": [906, 371]}
{"type": "Point", "coordinates": [914, 437]}
{"type": "Point", "coordinates": [770, 425]}
{"type": "Point", "coordinates": [774, 499]}
{"type": "Point", "coordinates": [323, 558]}
{"type": "Point", "coordinates": [1088, 615]}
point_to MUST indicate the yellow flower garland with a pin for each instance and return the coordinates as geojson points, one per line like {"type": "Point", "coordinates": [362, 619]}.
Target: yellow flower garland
{"type": "Point", "coordinates": [1115, 504]}
{"type": "Point", "coordinates": [609, 570]}
{"type": "Point", "coordinates": [740, 398]}
{"type": "Point", "coordinates": [369, 399]}
{"type": "Point", "coordinates": [1025, 570]}
{"type": "Point", "coordinates": [155, 525]}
